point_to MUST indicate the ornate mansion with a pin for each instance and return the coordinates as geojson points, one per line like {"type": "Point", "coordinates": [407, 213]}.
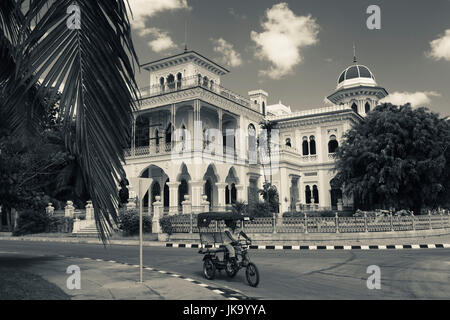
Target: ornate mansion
{"type": "Point", "coordinates": [185, 111]}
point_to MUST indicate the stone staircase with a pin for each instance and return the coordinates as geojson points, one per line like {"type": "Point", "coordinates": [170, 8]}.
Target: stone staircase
{"type": "Point", "coordinates": [85, 228]}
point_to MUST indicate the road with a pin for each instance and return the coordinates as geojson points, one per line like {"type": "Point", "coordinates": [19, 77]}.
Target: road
{"type": "Point", "coordinates": [321, 274]}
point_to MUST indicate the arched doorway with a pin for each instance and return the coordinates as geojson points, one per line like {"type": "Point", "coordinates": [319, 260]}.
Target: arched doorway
{"type": "Point", "coordinates": [156, 191]}
{"type": "Point", "coordinates": [183, 189]}
{"type": "Point", "coordinates": [209, 192]}
{"type": "Point", "coordinates": [166, 196]}
{"type": "Point", "coordinates": [335, 193]}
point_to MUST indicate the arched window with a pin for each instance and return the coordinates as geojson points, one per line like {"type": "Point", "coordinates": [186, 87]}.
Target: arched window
{"type": "Point", "coordinates": [308, 194]}
{"type": "Point", "coordinates": [312, 145]}
{"type": "Point", "coordinates": [168, 134]}
{"type": "Point", "coordinates": [211, 83]}
{"type": "Point", "coordinates": [179, 80]}
{"type": "Point", "coordinates": [288, 142]}
{"type": "Point", "coordinates": [355, 107]}
{"type": "Point", "coordinates": [227, 195]}
{"type": "Point", "coordinates": [233, 193]}
{"type": "Point", "coordinates": [333, 144]}
{"type": "Point", "coordinates": [161, 83]}
{"type": "Point", "coordinates": [367, 107]}
{"type": "Point", "coordinates": [205, 82]}
{"type": "Point", "coordinates": [315, 194]}
{"type": "Point", "coordinates": [252, 147]}
{"type": "Point", "coordinates": [305, 146]}
{"type": "Point", "coordinates": [171, 81]}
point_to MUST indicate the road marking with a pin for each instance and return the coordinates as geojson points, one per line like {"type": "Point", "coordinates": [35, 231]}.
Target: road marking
{"type": "Point", "coordinates": [312, 247]}
{"type": "Point", "coordinates": [382, 247]}
{"type": "Point", "coordinates": [330, 247]}
{"type": "Point", "coordinates": [432, 246]}
{"type": "Point", "coordinates": [398, 246]}
{"type": "Point", "coordinates": [365, 248]}
{"type": "Point", "coordinates": [415, 246]}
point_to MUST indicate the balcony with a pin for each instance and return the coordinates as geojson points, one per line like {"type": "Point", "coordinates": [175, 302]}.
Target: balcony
{"type": "Point", "coordinates": [193, 82]}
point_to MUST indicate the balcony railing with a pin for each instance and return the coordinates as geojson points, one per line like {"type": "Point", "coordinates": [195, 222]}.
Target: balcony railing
{"type": "Point", "coordinates": [193, 82]}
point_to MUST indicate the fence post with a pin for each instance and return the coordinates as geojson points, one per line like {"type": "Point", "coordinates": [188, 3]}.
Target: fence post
{"type": "Point", "coordinates": [429, 220]}
{"type": "Point", "coordinates": [413, 221]}
{"type": "Point", "coordinates": [337, 223]}
{"type": "Point", "coordinates": [50, 209]}
{"type": "Point", "coordinates": [306, 222]}
{"type": "Point", "coordinates": [69, 210]}
{"type": "Point", "coordinates": [157, 214]}
{"type": "Point", "coordinates": [274, 222]}
{"type": "Point", "coordinates": [366, 229]}
{"type": "Point", "coordinates": [392, 221]}
{"type": "Point", "coordinates": [190, 223]}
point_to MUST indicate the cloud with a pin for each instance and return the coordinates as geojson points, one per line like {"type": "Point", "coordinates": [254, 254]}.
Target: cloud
{"type": "Point", "coordinates": [144, 9]}
{"type": "Point", "coordinates": [237, 15]}
{"type": "Point", "coordinates": [161, 42]}
{"type": "Point", "coordinates": [419, 98]}
{"type": "Point", "coordinates": [284, 37]}
{"type": "Point", "coordinates": [229, 56]}
{"type": "Point", "coordinates": [440, 47]}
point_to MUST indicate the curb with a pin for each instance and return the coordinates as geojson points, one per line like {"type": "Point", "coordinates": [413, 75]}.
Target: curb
{"type": "Point", "coordinates": [253, 247]}
{"type": "Point", "coordinates": [227, 293]}
{"type": "Point", "coordinates": [321, 247]}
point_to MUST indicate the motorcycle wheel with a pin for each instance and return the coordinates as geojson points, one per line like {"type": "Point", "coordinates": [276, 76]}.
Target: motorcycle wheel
{"type": "Point", "coordinates": [209, 269]}
{"type": "Point", "coordinates": [252, 274]}
{"type": "Point", "coordinates": [231, 270]}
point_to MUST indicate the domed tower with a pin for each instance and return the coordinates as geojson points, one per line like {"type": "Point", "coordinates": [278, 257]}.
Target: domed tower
{"type": "Point", "coordinates": [357, 87]}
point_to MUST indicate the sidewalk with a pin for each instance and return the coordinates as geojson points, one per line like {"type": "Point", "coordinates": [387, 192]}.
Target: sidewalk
{"type": "Point", "coordinates": [105, 280]}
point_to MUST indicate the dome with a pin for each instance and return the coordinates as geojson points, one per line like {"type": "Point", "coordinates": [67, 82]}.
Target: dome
{"type": "Point", "coordinates": [356, 75]}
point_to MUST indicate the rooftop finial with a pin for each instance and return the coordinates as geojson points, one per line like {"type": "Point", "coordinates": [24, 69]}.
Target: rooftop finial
{"type": "Point", "coordinates": [354, 53]}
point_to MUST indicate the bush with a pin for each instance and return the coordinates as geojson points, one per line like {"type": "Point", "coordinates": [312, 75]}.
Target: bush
{"type": "Point", "coordinates": [129, 223]}
{"type": "Point", "coordinates": [166, 225]}
{"type": "Point", "coordinates": [33, 222]}
{"type": "Point", "coordinates": [259, 210]}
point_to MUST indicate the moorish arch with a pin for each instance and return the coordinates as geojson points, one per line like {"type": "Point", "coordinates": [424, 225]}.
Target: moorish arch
{"type": "Point", "coordinates": [232, 181]}
{"type": "Point", "coordinates": [160, 178]}
{"type": "Point", "coordinates": [210, 179]}
{"type": "Point", "coordinates": [183, 178]}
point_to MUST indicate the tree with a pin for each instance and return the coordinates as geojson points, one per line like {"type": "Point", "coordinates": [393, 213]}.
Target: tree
{"type": "Point", "coordinates": [270, 196]}
{"type": "Point", "coordinates": [398, 157]}
{"type": "Point", "coordinates": [92, 66]}
{"type": "Point", "coordinates": [265, 141]}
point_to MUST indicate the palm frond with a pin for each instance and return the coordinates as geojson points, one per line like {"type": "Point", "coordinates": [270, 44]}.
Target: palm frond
{"type": "Point", "coordinates": [95, 67]}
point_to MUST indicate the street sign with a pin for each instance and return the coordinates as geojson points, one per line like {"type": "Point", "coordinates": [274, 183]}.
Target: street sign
{"type": "Point", "coordinates": [143, 185]}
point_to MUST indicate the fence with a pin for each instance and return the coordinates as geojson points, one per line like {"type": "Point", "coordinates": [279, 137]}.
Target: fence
{"type": "Point", "coordinates": [188, 224]}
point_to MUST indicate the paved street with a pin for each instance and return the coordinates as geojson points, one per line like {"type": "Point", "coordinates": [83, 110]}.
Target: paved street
{"type": "Point", "coordinates": [405, 274]}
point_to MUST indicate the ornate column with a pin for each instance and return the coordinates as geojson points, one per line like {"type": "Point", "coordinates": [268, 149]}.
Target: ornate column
{"type": "Point", "coordinates": [69, 209]}
{"type": "Point", "coordinates": [221, 195]}
{"type": "Point", "coordinates": [197, 192]}
{"type": "Point", "coordinates": [173, 197]}
{"type": "Point", "coordinates": [89, 211]}
{"type": "Point", "coordinates": [157, 214]}
{"type": "Point", "coordinates": [187, 205]}
{"type": "Point", "coordinates": [239, 192]}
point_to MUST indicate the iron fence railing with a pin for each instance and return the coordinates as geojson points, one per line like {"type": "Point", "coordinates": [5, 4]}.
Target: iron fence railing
{"type": "Point", "coordinates": [193, 82]}
{"type": "Point", "coordinates": [188, 224]}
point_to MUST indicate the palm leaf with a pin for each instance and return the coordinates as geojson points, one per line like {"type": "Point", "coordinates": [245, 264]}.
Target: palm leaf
{"type": "Point", "coordinates": [95, 67]}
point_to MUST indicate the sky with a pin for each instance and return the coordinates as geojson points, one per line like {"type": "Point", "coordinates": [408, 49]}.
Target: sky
{"type": "Point", "coordinates": [295, 50]}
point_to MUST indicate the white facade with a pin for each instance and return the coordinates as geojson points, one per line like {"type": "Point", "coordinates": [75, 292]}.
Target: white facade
{"type": "Point", "coordinates": [196, 138]}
